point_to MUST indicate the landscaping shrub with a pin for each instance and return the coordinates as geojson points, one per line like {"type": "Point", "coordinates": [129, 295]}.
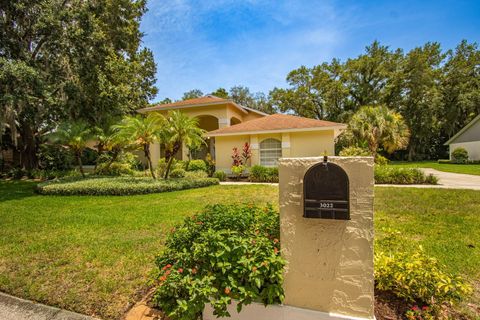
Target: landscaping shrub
{"type": "Point", "coordinates": [381, 160]}
{"type": "Point", "coordinates": [176, 164]}
{"type": "Point", "coordinates": [354, 152]}
{"type": "Point", "coordinates": [177, 173]}
{"type": "Point", "coordinates": [394, 175]}
{"type": "Point", "coordinates": [89, 156]}
{"type": "Point", "coordinates": [196, 174]}
{"type": "Point", "coordinates": [263, 174]}
{"type": "Point", "coordinates": [210, 164]}
{"type": "Point", "coordinates": [52, 174]}
{"type": "Point", "coordinates": [226, 252]}
{"type": "Point", "coordinates": [124, 165]}
{"type": "Point", "coordinates": [55, 157]}
{"type": "Point", "coordinates": [118, 186]}
{"type": "Point", "coordinates": [444, 161]}
{"type": "Point", "coordinates": [418, 278]}
{"type": "Point", "coordinates": [220, 175]}
{"type": "Point", "coordinates": [460, 155]}
{"type": "Point", "coordinates": [237, 171]}
{"type": "Point", "coordinates": [197, 165]}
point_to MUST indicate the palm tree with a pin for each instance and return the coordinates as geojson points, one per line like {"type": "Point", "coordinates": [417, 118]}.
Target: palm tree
{"type": "Point", "coordinates": [377, 126]}
{"type": "Point", "coordinates": [73, 135]}
{"type": "Point", "coordinates": [142, 132]}
{"type": "Point", "coordinates": [109, 141]}
{"type": "Point", "coordinates": [179, 129]}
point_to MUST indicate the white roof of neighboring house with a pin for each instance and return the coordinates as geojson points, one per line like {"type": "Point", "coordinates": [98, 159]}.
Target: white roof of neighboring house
{"type": "Point", "coordinates": [463, 130]}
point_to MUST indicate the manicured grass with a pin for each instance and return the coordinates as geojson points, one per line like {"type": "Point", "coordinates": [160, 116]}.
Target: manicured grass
{"type": "Point", "coordinates": [447, 167]}
{"type": "Point", "coordinates": [94, 254]}
{"type": "Point", "coordinates": [91, 254]}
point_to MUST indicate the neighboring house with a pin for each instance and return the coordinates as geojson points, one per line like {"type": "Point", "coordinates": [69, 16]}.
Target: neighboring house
{"type": "Point", "coordinates": [468, 138]}
{"type": "Point", "coordinates": [271, 137]}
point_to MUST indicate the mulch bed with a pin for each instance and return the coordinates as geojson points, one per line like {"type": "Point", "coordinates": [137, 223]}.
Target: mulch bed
{"type": "Point", "coordinates": [389, 307]}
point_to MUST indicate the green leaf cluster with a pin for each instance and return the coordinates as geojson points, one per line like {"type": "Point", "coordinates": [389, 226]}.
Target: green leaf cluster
{"type": "Point", "coordinates": [225, 253]}
{"type": "Point", "coordinates": [418, 278]}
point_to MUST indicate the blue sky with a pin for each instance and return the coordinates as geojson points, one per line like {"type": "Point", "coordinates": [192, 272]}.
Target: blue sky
{"type": "Point", "coordinates": [209, 44]}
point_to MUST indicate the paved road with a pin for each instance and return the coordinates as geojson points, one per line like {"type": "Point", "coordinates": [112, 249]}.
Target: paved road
{"type": "Point", "coordinates": [12, 308]}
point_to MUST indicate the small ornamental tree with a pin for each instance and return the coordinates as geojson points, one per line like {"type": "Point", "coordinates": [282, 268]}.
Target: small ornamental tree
{"type": "Point", "coordinates": [142, 132]}
{"type": "Point", "coordinates": [74, 136]}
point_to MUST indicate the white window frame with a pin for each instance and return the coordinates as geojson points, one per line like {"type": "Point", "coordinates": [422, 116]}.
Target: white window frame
{"type": "Point", "coordinates": [270, 150]}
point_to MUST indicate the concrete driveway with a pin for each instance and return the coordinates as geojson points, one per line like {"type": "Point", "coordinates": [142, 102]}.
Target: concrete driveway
{"type": "Point", "coordinates": [446, 180]}
{"type": "Point", "coordinates": [455, 180]}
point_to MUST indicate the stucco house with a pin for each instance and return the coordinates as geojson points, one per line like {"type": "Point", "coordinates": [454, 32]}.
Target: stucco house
{"type": "Point", "coordinates": [271, 137]}
{"type": "Point", "coordinates": [468, 138]}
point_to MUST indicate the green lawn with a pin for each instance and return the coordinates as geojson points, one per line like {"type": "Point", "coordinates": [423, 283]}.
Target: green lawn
{"type": "Point", "coordinates": [93, 254]}
{"type": "Point", "coordinates": [455, 168]}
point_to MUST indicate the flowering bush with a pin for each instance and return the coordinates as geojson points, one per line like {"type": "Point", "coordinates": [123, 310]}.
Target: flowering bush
{"type": "Point", "coordinates": [417, 313]}
{"type": "Point", "coordinates": [226, 252]}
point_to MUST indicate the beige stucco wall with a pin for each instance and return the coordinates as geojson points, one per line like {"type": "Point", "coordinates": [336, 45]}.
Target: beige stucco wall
{"type": "Point", "coordinates": [223, 150]}
{"type": "Point", "coordinates": [472, 147]}
{"type": "Point", "coordinates": [251, 116]}
{"type": "Point", "coordinates": [312, 144]}
{"type": "Point", "coordinates": [294, 144]}
{"type": "Point", "coordinates": [330, 262]}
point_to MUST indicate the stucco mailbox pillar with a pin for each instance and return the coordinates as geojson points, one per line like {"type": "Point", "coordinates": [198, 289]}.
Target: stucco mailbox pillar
{"type": "Point", "coordinates": [330, 262]}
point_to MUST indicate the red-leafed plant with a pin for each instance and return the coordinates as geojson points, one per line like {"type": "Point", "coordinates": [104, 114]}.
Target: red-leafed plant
{"type": "Point", "coordinates": [237, 159]}
{"type": "Point", "coordinates": [246, 152]}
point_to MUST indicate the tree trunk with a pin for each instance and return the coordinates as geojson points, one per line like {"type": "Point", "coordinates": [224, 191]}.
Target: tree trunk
{"type": "Point", "coordinates": [146, 150]}
{"type": "Point", "coordinates": [112, 160]}
{"type": "Point", "coordinates": [79, 161]}
{"type": "Point", "coordinates": [170, 156]}
{"type": "Point", "coordinates": [28, 148]}
{"type": "Point", "coordinates": [167, 169]}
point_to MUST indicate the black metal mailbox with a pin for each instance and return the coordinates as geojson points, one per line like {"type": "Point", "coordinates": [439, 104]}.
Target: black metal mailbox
{"type": "Point", "coordinates": [326, 192]}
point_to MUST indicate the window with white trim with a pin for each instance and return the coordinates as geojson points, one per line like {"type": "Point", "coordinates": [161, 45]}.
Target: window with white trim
{"type": "Point", "coordinates": [270, 152]}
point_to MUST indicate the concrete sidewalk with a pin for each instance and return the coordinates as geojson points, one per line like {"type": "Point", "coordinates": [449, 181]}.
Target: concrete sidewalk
{"type": "Point", "coordinates": [13, 308]}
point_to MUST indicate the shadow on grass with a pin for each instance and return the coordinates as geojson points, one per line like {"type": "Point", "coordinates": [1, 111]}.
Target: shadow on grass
{"type": "Point", "coordinates": [16, 189]}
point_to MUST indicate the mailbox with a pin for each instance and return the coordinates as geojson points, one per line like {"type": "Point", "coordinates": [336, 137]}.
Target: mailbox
{"type": "Point", "coordinates": [326, 192]}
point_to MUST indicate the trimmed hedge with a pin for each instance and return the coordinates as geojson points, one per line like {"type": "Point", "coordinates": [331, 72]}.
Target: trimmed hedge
{"type": "Point", "coordinates": [197, 165]}
{"type": "Point", "coordinates": [394, 175]}
{"type": "Point", "coordinates": [259, 173]}
{"type": "Point", "coordinates": [119, 186]}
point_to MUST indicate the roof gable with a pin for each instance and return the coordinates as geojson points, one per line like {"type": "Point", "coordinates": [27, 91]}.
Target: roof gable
{"type": "Point", "coordinates": [463, 130]}
{"type": "Point", "coordinates": [208, 100]}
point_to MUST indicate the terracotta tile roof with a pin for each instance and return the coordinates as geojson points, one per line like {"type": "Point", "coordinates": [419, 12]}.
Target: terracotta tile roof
{"type": "Point", "coordinates": [276, 122]}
